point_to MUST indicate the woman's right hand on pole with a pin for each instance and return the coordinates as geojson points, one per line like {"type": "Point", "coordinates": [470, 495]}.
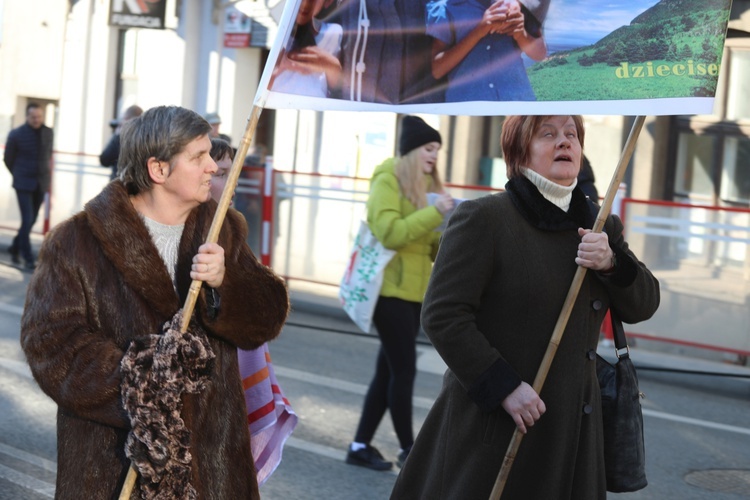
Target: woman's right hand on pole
{"type": "Point", "coordinates": [525, 406]}
{"type": "Point", "coordinates": [444, 203]}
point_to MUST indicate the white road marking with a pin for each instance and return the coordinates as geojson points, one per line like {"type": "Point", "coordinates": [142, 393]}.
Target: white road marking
{"type": "Point", "coordinates": [28, 482]}
{"type": "Point", "coordinates": [334, 383]}
{"type": "Point", "coordinates": [21, 368]}
{"type": "Point", "coordinates": [11, 309]}
{"type": "Point", "coordinates": [40, 462]}
{"type": "Point", "coordinates": [321, 450]}
{"type": "Point", "coordinates": [696, 422]}
{"type": "Point", "coordinates": [18, 367]}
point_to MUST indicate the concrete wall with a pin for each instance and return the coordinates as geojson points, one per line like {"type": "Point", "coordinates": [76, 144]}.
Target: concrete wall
{"type": "Point", "coordinates": [51, 52]}
{"type": "Point", "coordinates": [68, 56]}
{"type": "Point", "coordinates": [31, 57]}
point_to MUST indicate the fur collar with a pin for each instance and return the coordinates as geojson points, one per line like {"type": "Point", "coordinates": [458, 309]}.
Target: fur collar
{"type": "Point", "coordinates": [127, 244]}
{"type": "Point", "coordinates": [544, 215]}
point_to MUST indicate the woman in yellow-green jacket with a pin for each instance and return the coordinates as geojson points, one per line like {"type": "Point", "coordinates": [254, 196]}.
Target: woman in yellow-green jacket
{"type": "Point", "coordinates": [401, 218]}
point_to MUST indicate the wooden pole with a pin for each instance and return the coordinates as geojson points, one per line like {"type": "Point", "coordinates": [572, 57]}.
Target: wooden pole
{"type": "Point", "coordinates": [213, 237]}
{"type": "Point", "coordinates": [562, 320]}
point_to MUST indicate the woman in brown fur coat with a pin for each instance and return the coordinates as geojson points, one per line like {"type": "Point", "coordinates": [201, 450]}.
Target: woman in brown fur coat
{"type": "Point", "coordinates": [112, 275]}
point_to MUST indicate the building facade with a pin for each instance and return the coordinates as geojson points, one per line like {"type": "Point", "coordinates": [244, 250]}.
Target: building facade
{"type": "Point", "coordinates": [71, 57]}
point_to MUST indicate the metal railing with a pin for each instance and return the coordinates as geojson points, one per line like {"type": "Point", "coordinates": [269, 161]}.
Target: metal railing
{"type": "Point", "coordinates": [701, 256]}
{"type": "Point", "coordinates": [303, 224]}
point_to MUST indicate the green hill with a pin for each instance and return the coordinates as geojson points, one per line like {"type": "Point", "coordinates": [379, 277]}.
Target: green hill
{"type": "Point", "coordinates": [672, 49]}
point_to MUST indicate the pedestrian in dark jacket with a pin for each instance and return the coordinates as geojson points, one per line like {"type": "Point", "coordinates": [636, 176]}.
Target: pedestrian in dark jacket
{"type": "Point", "coordinates": [28, 150]}
{"type": "Point", "coordinates": [108, 280]}
{"type": "Point", "coordinates": [587, 180]}
{"type": "Point", "coordinates": [111, 151]}
{"type": "Point", "coordinates": [505, 266]}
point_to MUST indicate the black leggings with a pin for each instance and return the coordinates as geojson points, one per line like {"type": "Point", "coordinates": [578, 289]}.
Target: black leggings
{"type": "Point", "coordinates": [397, 323]}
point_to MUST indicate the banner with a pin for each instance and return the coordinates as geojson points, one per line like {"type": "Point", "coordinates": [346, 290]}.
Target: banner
{"type": "Point", "coordinates": [137, 13]}
{"type": "Point", "coordinates": [479, 57]}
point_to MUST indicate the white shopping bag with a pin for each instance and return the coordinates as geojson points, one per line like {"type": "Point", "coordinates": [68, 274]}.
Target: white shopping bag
{"type": "Point", "coordinates": [360, 286]}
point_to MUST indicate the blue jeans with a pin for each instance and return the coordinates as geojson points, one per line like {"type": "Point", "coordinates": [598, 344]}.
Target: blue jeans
{"type": "Point", "coordinates": [28, 204]}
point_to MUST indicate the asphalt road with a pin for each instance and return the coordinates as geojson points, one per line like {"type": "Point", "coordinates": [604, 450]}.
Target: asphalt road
{"type": "Point", "coordinates": [697, 431]}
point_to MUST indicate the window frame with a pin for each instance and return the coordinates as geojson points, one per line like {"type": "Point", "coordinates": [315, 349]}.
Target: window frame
{"type": "Point", "coordinates": [715, 125]}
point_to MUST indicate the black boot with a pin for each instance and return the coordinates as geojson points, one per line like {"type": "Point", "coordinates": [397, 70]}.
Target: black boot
{"type": "Point", "coordinates": [14, 255]}
{"type": "Point", "coordinates": [368, 457]}
{"type": "Point", "coordinates": [402, 456]}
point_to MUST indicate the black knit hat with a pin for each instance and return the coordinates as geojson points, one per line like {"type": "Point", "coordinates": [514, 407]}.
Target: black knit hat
{"type": "Point", "coordinates": [414, 133]}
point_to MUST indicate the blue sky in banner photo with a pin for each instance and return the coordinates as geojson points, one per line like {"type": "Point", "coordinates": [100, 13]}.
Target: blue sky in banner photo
{"type": "Point", "coordinates": [565, 18]}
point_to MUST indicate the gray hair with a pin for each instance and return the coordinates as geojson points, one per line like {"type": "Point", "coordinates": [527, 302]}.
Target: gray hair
{"type": "Point", "coordinates": [162, 133]}
{"type": "Point", "coordinates": [131, 112]}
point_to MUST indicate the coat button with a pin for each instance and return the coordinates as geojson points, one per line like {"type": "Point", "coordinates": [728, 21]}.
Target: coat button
{"type": "Point", "coordinates": [596, 305]}
{"type": "Point", "coordinates": [591, 354]}
{"type": "Point", "coordinates": [587, 409]}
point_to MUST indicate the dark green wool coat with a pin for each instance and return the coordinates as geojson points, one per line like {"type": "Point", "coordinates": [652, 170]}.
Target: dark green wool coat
{"type": "Point", "coordinates": [503, 270]}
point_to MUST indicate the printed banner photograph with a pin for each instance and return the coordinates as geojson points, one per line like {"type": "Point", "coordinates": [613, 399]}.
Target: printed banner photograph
{"type": "Point", "coordinates": [497, 57]}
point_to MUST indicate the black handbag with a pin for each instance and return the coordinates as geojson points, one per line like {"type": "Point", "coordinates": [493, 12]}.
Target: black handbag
{"type": "Point", "coordinates": [624, 450]}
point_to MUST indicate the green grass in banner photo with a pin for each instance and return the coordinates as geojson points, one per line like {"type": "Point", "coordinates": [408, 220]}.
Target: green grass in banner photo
{"type": "Point", "coordinates": [664, 52]}
{"type": "Point", "coordinates": [599, 82]}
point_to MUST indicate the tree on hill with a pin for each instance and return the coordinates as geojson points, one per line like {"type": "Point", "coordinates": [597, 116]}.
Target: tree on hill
{"type": "Point", "coordinates": [685, 52]}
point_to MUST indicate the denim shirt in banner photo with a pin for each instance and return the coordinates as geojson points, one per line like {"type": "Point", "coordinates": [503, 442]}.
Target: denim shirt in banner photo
{"type": "Point", "coordinates": [493, 70]}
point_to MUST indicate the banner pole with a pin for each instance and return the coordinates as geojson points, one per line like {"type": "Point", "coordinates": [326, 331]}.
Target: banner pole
{"type": "Point", "coordinates": [213, 237]}
{"type": "Point", "coordinates": [562, 320]}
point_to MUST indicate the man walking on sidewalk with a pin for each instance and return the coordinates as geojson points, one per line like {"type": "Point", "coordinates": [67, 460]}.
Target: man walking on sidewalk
{"type": "Point", "coordinates": [27, 154]}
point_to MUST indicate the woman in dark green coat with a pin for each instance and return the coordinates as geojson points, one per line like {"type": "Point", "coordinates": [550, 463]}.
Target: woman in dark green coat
{"type": "Point", "coordinates": [505, 265]}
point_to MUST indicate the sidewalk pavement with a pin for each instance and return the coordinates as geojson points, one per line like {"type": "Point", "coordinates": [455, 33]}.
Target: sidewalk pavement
{"type": "Point", "coordinates": [317, 306]}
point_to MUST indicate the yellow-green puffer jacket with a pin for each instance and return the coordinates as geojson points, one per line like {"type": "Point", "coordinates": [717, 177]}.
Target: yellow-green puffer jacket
{"type": "Point", "coordinates": [398, 225]}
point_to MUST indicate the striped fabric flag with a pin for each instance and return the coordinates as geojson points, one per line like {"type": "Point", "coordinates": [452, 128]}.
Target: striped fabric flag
{"type": "Point", "coordinates": [270, 417]}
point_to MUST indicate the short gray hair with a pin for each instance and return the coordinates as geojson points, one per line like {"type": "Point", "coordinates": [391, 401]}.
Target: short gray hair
{"type": "Point", "coordinates": [162, 133]}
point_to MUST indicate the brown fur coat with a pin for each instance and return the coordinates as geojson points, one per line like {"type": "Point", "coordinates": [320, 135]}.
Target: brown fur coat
{"type": "Point", "coordinates": [101, 283]}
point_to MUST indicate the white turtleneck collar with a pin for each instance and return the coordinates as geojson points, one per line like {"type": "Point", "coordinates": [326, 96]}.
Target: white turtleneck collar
{"type": "Point", "coordinates": [554, 193]}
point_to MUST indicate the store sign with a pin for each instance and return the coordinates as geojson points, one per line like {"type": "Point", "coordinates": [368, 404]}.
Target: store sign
{"type": "Point", "coordinates": [237, 28]}
{"type": "Point", "coordinates": [137, 13]}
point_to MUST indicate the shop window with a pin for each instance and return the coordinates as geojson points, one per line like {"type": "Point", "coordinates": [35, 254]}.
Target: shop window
{"type": "Point", "coordinates": [738, 89]}
{"type": "Point", "coordinates": [695, 155]}
{"type": "Point", "coordinates": [712, 152]}
{"type": "Point", "coordinates": [735, 182]}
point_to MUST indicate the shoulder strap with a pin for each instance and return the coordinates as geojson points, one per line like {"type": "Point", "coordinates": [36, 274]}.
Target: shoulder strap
{"type": "Point", "coordinates": [619, 334]}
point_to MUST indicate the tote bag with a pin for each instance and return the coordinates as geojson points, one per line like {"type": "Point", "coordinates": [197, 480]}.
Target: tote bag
{"type": "Point", "coordinates": [363, 277]}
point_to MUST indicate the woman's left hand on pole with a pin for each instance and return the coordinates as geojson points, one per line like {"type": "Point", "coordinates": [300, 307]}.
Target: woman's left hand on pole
{"type": "Point", "coordinates": [594, 251]}
{"type": "Point", "coordinates": [208, 265]}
